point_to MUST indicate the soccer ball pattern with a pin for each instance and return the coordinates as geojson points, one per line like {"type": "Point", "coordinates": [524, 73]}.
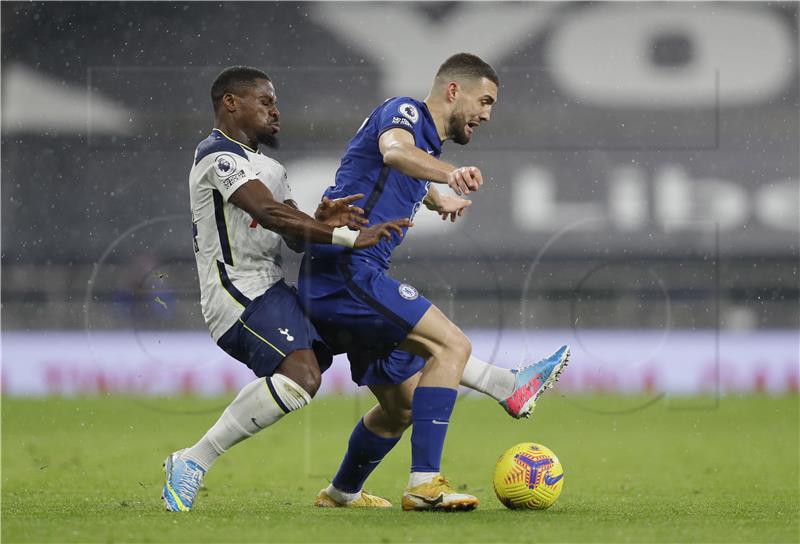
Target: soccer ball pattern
{"type": "Point", "coordinates": [528, 476]}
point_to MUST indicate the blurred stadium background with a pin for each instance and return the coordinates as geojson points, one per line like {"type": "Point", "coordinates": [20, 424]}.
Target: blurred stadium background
{"type": "Point", "coordinates": [641, 202]}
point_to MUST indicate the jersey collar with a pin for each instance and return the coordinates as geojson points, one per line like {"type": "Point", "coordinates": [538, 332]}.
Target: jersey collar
{"type": "Point", "coordinates": [431, 123]}
{"type": "Point", "coordinates": [247, 147]}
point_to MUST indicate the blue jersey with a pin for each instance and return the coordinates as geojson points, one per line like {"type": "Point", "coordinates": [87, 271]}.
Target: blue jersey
{"type": "Point", "coordinates": [389, 194]}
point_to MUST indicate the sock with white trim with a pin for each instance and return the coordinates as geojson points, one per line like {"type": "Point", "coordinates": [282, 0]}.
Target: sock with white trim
{"type": "Point", "coordinates": [258, 405]}
{"type": "Point", "coordinates": [417, 478]}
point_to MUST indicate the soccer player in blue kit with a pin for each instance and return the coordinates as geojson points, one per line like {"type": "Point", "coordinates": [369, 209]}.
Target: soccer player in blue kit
{"type": "Point", "coordinates": [405, 349]}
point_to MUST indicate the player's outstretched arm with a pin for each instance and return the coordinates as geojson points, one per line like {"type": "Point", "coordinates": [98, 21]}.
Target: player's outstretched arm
{"type": "Point", "coordinates": [399, 152]}
{"type": "Point", "coordinates": [293, 243]}
{"type": "Point", "coordinates": [256, 199]}
{"type": "Point", "coordinates": [341, 212]}
{"type": "Point", "coordinates": [447, 206]}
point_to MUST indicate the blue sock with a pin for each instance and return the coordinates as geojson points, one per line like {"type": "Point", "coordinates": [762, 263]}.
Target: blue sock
{"type": "Point", "coordinates": [364, 451]}
{"type": "Point", "coordinates": [430, 411]}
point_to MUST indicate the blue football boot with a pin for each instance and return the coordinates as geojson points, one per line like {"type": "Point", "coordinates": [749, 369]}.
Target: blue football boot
{"type": "Point", "coordinates": [183, 482]}
{"type": "Point", "coordinates": [532, 380]}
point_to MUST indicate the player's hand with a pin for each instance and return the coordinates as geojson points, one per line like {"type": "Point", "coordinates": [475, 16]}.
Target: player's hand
{"type": "Point", "coordinates": [465, 180]}
{"type": "Point", "coordinates": [452, 207]}
{"type": "Point", "coordinates": [341, 212]}
{"type": "Point", "coordinates": [369, 237]}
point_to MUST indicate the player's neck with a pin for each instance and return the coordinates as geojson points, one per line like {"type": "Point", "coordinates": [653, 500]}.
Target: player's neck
{"type": "Point", "coordinates": [235, 133]}
{"type": "Point", "coordinates": [438, 115]}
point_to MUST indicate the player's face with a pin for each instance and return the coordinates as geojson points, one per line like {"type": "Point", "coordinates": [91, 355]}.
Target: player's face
{"type": "Point", "coordinates": [259, 112]}
{"type": "Point", "coordinates": [473, 106]}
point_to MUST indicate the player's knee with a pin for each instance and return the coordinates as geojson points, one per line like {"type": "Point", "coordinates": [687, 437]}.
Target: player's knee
{"type": "Point", "coordinates": [302, 368]}
{"type": "Point", "coordinates": [395, 424]}
{"type": "Point", "coordinates": [460, 346]}
{"type": "Point", "coordinates": [310, 378]}
{"type": "Point", "coordinates": [404, 419]}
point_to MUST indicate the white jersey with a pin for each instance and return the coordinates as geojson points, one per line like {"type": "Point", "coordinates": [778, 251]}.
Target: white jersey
{"type": "Point", "coordinates": [237, 259]}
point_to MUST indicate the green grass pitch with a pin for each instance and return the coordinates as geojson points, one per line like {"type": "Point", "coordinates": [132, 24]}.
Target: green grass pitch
{"type": "Point", "coordinates": [89, 470]}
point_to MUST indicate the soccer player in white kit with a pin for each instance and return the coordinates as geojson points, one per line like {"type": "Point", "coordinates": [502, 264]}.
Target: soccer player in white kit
{"type": "Point", "coordinates": [242, 211]}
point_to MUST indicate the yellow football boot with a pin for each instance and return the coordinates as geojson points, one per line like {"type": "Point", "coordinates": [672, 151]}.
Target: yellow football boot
{"type": "Point", "coordinates": [437, 495]}
{"type": "Point", "coordinates": [366, 500]}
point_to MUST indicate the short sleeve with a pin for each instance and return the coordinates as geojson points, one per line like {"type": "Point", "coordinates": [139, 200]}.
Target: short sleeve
{"type": "Point", "coordinates": [399, 113]}
{"type": "Point", "coordinates": [287, 195]}
{"type": "Point", "coordinates": [229, 171]}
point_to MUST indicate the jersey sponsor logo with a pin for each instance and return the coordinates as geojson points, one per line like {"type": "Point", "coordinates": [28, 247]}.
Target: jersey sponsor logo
{"type": "Point", "coordinates": [397, 120]}
{"type": "Point", "coordinates": [224, 165]}
{"type": "Point", "coordinates": [409, 111]}
{"type": "Point", "coordinates": [230, 180]}
{"type": "Point", "coordinates": [407, 291]}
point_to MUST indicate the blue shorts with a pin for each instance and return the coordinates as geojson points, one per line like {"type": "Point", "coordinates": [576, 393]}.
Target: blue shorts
{"type": "Point", "coordinates": [271, 327]}
{"type": "Point", "coordinates": [359, 310]}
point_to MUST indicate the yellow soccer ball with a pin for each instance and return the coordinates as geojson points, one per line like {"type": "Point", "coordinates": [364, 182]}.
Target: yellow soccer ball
{"type": "Point", "coordinates": [528, 476]}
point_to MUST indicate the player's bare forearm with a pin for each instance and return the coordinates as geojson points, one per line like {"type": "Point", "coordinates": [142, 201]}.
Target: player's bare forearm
{"type": "Point", "coordinates": [257, 200]}
{"type": "Point", "coordinates": [399, 151]}
{"type": "Point", "coordinates": [292, 243]}
{"type": "Point", "coordinates": [412, 161]}
{"type": "Point", "coordinates": [431, 200]}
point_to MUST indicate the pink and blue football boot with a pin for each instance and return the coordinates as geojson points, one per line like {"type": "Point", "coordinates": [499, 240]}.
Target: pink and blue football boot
{"type": "Point", "coordinates": [532, 380]}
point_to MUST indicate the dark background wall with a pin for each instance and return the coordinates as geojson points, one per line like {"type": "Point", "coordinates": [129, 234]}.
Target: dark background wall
{"type": "Point", "coordinates": [642, 162]}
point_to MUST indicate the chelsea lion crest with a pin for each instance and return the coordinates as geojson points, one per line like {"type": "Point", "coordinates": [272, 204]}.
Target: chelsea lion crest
{"type": "Point", "coordinates": [407, 291]}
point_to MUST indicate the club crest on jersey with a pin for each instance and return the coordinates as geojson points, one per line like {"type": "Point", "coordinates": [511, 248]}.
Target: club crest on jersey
{"type": "Point", "coordinates": [409, 111]}
{"type": "Point", "coordinates": [224, 165]}
{"type": "Point", "coordinates": [407, 291]}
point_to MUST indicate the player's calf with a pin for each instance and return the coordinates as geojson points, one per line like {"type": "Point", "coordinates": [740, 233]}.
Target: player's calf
{"type": "Point", "coordinates": [258, 405]}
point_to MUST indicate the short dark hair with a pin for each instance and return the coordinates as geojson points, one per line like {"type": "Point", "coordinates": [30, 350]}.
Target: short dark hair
{"type": "Point", "coordinates": [232, 79]}
{"type": "Point", "coordinates": [467, 65]}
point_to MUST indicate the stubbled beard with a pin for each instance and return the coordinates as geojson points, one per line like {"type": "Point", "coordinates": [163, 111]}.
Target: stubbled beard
{"type": "Point", "coordinates": [456, 130]}
{"type": "Point", "coordinates": [270, 140]}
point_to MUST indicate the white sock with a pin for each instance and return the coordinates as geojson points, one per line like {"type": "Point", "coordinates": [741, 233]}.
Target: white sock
{"type": "Point", "coordinates": [258, 405]}
{"type": "Point", "coordinates": [492, 380]}
{"type": "Point", "coordinates": [417, 478]}
{"type": "Point", "coordinates": [340, 496]}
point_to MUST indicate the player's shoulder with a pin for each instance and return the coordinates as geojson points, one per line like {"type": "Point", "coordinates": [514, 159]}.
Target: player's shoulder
{"type": "Point", "coordinates": [405, 106]}
{"type": "Point", "coordinates": [401, 112]}
{"type": "Point", "coordinates": [216, 142]}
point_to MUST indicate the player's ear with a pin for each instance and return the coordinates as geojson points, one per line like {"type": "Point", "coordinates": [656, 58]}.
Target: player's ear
{"type": "Point", "coordinates": [452, 91]}
{"type": "Point", "coordinates": [230, 102]}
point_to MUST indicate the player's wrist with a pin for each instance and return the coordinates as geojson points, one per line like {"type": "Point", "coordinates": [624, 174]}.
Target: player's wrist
{"type": "Point", "coordinates": [431, 201]}
{"type": "Point", "coordinates": [343, 236]}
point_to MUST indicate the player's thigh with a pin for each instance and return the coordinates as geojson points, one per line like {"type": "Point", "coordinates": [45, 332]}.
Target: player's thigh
{"type": "Point", "coordinates": [368, 311]}
{"type": "Point", "coordinates": [433, 334]}
{"type": "Point", "coordinates": [274, 335]}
